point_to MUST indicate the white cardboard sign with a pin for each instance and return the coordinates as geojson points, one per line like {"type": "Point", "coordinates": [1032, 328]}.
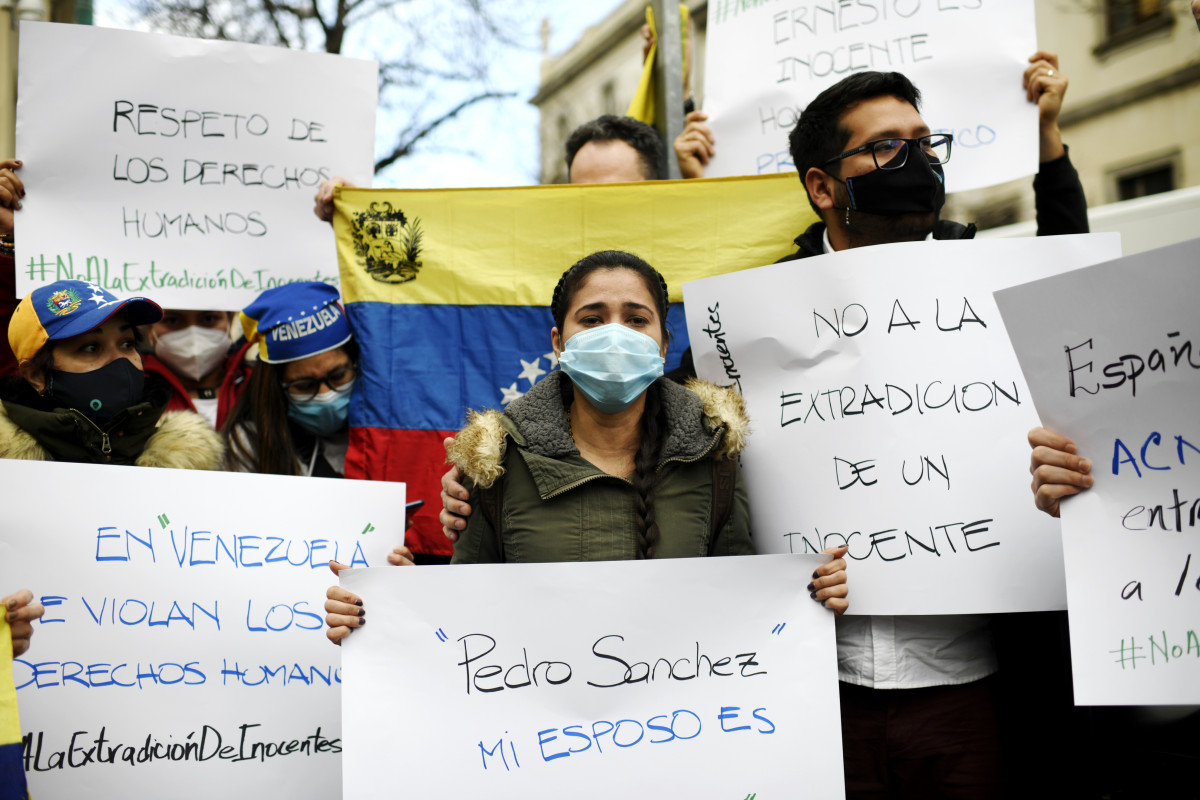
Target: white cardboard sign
{"type": "Point", "coordinates": [183, 644]}
{"type": "Point", "coordinates": [766, 61]}
{"type": "Point", "coordinates": [182, 169]}
{"type": "Point", "coordinates": [699, 677]}
{"type": "Point", "coordinates": [1112, 356]}
{"type": "Point", "coordinates": [888, 413]}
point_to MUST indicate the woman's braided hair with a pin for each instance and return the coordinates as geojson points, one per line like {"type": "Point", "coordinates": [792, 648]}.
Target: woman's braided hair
{"type": "Point", "coordinates": [645, 462]}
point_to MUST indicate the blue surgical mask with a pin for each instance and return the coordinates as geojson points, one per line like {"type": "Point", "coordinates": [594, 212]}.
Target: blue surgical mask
{"type": "Point", "coordinates": [612, 365]}
{"type": "Point", "coordinates": [323, 414]}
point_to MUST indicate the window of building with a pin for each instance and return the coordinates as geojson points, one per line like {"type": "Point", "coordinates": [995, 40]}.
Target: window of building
{"type": "Point", "coordinates": [1128, 20]}
{"type": "Point", "coordinates": [1124, 15]}
{"type": "Point", "coordinates": [609, 98]}
{"type": "Point", "coordinates": [1154, 180]}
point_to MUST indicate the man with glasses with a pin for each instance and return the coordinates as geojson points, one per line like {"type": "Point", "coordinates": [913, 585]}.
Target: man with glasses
{"type": "Point", "coordinates": [919, 715]}
{"type": "Point", "coordinates": [854, 146]}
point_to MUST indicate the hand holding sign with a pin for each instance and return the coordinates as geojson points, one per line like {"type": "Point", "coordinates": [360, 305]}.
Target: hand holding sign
{"type": "Point", "coordinates": [1057, 471]}
{"type": "Point", "coordinates": [1046, 86]}
{"type": "Point", "coordinates": [11, 192]}
{"type": "Point", "coordinates": [20, 611]}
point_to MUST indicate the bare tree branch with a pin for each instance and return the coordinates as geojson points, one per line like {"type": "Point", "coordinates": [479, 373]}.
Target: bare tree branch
{"type": "Point", "coordinates": [407, 142]}
{"type": "Point", "coordinates": [435, 55]}
{"type": "Point", "coordinates": [273, 13]}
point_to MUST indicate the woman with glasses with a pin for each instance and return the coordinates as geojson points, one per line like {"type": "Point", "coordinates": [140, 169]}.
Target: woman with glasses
{"type": "Point", "coordinates": [291, 419]}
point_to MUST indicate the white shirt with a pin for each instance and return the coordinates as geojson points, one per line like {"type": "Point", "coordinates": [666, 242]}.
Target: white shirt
{"type": "Point", "coordinates": [829, 247]}
{"type": "Point", "coordinates": [912, 652]}
{"type": "Point", "coordinates": [207, 408]}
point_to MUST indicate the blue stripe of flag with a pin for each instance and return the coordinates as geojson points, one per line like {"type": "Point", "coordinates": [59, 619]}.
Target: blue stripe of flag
{"type": "Point", "coordinates": [12, 772]}
{"type": "Point", "coordinates": [423, 366]}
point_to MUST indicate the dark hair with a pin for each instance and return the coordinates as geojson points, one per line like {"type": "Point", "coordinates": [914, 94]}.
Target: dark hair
{"type": "Point", "coordinates": [41, 364]}
{"type": "Point", "coordinates": [257, 435]}
{"type": "Point", "coordinates": [568, 284]}
{"type": "Point", "coordinates": [819, 134]}
{"type": "Point", "coordinates": [638, 135]}
{"type": "Point", "coordinates": [645, 462]}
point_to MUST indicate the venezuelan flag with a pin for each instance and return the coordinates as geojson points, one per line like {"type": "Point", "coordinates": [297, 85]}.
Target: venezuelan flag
{"type": "Point", "coordinates": [12, 769]}
{"type": "Point", "coordinates": [449, 291]}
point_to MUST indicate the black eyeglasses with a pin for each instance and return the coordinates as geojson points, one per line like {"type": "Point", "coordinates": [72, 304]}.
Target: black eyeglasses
{"type": "Point", "coordinates": [893, 153]}
{"type": "Point", "coordinates": [339, 380]}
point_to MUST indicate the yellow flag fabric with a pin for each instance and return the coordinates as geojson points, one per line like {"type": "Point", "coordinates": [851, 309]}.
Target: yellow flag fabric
{"type": "Point", "coordinates": [642, 107]}
{"type": "Point", "coordinates": [509, 246]}
{"type": "Point", "coordinates": [12, 765]}
{"type": "Point", "coordinates": [10, 723]}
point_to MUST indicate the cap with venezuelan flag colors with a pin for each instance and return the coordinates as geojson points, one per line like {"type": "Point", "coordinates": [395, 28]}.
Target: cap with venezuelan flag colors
{"type": "Point", "coordinates": [64, 309]}
{"type": "Point", "coordinates": [295, 321]}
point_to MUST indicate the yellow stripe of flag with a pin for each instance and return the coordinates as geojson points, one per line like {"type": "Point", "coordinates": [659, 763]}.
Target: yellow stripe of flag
{"type": "Point", "coordinates": [10, 723]}
{"type": "Point", "coordinates": [509, 246]}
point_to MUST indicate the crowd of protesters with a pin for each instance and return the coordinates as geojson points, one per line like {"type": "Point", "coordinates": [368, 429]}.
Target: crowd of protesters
{"type": "Point", "coordinates": [90, 377]}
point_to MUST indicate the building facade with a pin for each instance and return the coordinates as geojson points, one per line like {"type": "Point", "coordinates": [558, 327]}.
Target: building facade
{"type": "Point", "coordinates": [12, 12]}
{"type": "Point", "coordinates": [1130, 117]}
{"type": "Point", "coordinates": [599, 75]}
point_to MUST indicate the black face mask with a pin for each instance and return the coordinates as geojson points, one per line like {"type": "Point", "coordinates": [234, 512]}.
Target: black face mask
{"type": "Point", "coordinates": [919, 187]}
{"type": "Point", "coordinates": [101, 393]}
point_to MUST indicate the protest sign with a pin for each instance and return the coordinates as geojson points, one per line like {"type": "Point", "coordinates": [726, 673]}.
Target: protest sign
{"type": "Point", "coordinates": [182, 169]}
{"type": "Point", "coordinates": [1112, 356]}
{"type": "Point", "coordinates": [696, 677]}
{"type": "Point", "coordinates": [183, 645]}
{"type": "Point", "coordinates": [766, 61]}
{"type": "Point", "coordinates": [888, 413]}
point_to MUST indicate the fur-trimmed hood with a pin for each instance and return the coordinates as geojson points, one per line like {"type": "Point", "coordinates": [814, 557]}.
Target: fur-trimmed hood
{"type": "Point", "coordinates": [703, 421]}
{"type": "Point", "coordinates": [181, 440]}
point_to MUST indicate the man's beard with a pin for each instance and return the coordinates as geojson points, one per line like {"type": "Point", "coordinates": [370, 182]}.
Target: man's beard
{"type": "Point", "coordinates": [868, 229]}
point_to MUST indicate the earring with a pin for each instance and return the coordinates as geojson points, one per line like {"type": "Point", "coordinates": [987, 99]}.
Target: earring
{"type": "Point", "coordinates": [847, 216]}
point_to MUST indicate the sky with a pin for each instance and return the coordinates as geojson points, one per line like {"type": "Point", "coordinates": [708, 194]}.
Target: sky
{"type": "Point", "coordinates": [494, 143]}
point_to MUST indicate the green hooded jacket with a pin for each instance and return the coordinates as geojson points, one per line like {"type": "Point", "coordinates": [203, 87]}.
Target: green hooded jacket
{"type": "Point", "coordinates": [556, 506]}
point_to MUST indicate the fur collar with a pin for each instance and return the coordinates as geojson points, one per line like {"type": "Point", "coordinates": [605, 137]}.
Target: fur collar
{"type": "Point", "coordinates": [181, 440]}
{"type": "Point", "coordinates": [695, 415]}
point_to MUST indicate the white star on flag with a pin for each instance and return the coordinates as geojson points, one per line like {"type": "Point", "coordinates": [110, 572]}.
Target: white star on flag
{"type": "Point", "coordinates": [553, 359]}
{"type": "Point", "coordinates": [510, 393]}
{"type": "Point", "coordinates": [531, 371]}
